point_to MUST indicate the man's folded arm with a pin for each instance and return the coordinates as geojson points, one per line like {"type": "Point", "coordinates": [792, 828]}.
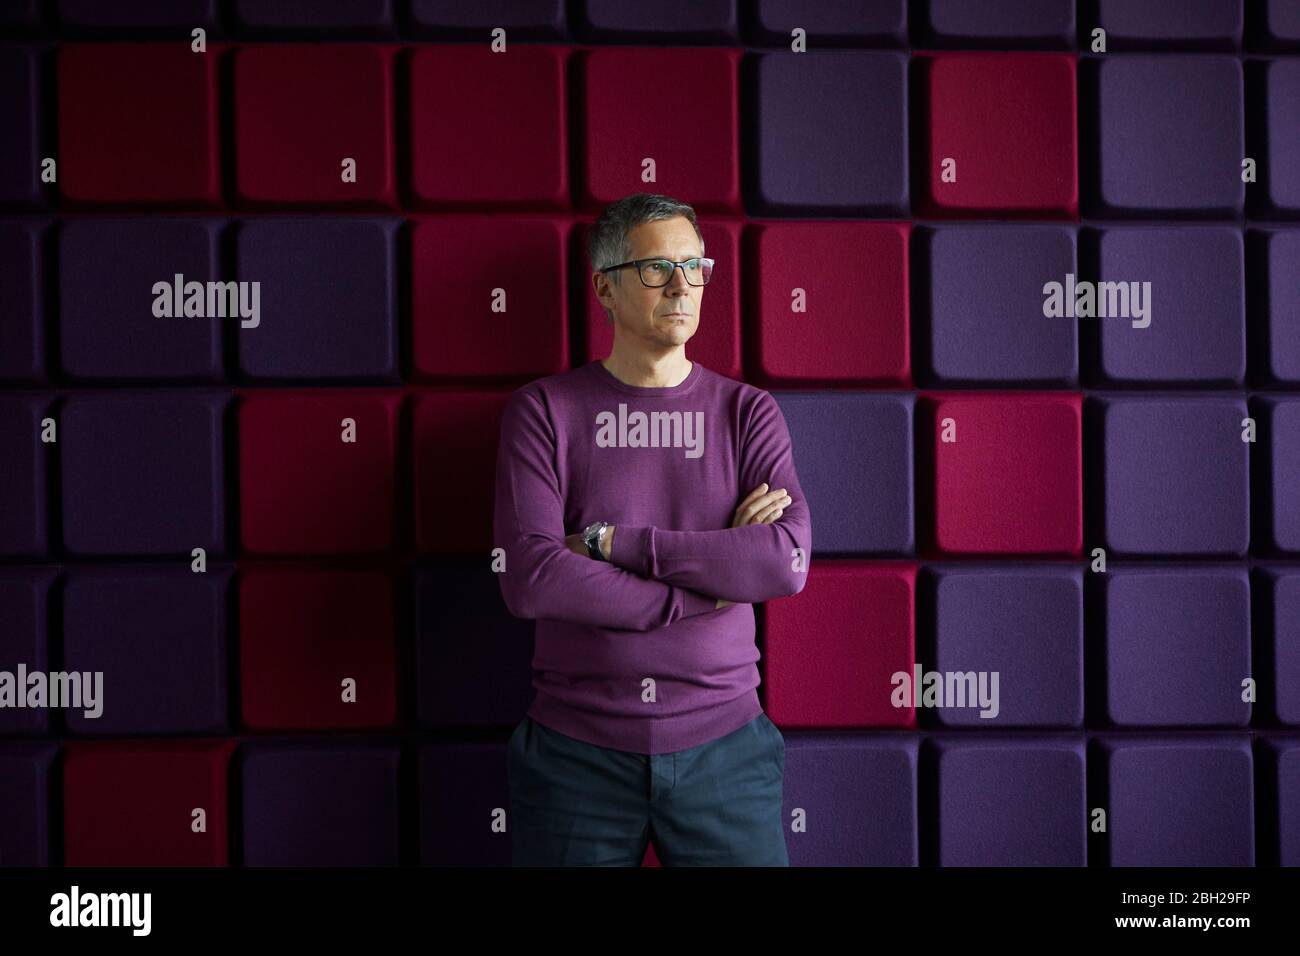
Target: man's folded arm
{"type": "Point", "coordinates": [543, 577]}
{"type": "Point", "coordinates": [752, 563]}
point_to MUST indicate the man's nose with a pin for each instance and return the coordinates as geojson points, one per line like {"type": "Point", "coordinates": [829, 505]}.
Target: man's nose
{"type": "Point", "coordinates": [679, 285]}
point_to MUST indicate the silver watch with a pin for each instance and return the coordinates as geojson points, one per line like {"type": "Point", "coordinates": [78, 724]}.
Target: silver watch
{"type": "Point", "coordinates": [592, 535]}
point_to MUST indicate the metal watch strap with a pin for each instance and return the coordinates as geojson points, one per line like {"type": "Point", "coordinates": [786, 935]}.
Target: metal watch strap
{"type": "Point", "coordinates": [593, 535]}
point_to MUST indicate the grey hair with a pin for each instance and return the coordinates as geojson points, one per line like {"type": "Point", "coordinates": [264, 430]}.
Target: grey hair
{"type": "Point", "coordinates": [608, 243]}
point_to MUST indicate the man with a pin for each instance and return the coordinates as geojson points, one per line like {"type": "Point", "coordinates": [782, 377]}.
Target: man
{"type": "Point", "coordinates": [644, 504]}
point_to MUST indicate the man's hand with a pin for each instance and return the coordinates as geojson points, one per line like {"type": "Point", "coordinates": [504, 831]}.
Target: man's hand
{"type": "Point", "coordinates": [760, 507]}
{"type": "Point", "coordinates": [576, 544]}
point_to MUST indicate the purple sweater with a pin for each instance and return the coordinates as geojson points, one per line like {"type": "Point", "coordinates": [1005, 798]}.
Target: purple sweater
{"type": "Point", "coordinates": [632, 653]}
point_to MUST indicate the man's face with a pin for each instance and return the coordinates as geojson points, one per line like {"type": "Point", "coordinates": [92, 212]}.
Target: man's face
{"type": "Point", "coordinates": [664, 317]}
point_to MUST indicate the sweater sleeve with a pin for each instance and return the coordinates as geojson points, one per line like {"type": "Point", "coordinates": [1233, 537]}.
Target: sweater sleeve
{"type": "Point", "coordinates": [756, 562]}
{"type": "Point", "coordinates": [543, 578]}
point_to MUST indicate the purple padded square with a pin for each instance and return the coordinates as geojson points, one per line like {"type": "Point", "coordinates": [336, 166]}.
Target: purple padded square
{"type": "Point", "coordinates": [985, 321]}
{"type": "Point", "coordinates": [1170, 135]}
{"type": "Point", "coordinates": [1023, 623]}
{"type": "Point", "coordinates": [521, 19]}
{"type": "Point", "coordinates": [1180, 801]}
{"type": "Point", "coordinates": [26, 768]}
{"type": "Point", "coordinates": [1177, 646]}
{"type": "Point", "coordinates": [464, 803]}
{"type": "Point", "coordinates": [122, 311]}
{"type": "Point", "coordinates": [1278, 611]}
{"type": "Point", "coordinates": [1280, 172]}
{"type": "Point", "coordinates": [1188, 326]}
{"type": "Point", "coordinates": [355, 18]}
{"type": "Point", "coordinates": [857, 23]}
{"type": "Point", "coordinates": [158, 635]}
{"type": "Point", "coordinates": [675, 21]}
{"type": "Point", "coordinates": [1176, 476]}
{"type": "Point", "coordinates": [144, 474]}
{"type": "Point", "coordinates": [1282, 757]}
{"type": "Point", "coordinates": [1280, 251]}
{"type": "Point", "coordinates": [110, 15]}
{"type": "Point", "coordinates": [814, 158]}
{"type": "Point", "coordinates": [1010, 801]}
{"type": "Point", "coordinates": [1173, 24]}
{"type": "Point", "coordinates": [851, 800]}
{"type": "Point", "coordinates": [1280, 26]}
{"type": "Point", "coordinates": [473, 657]}
{"type": "Point", "coordinates": [320, 802]}
{"type": "Point", "coordinates": [23, 475]}
{"type": "Point", "coordinates": [24, 643]}
{"type": "Point", "coordinates": [329, 296]}
{"type": "Point", "coordinates": [1281, 426]}
{"type": "Point", "coordinates": [22, 300]}
{"type": "Point", "coordinates": [21, 149]}
{"type": "Point", "coordinates": [1010, 24]}
{"type": "Point", "coordinates": [846, 442]}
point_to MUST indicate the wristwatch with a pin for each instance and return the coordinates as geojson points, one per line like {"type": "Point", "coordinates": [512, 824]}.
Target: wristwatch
{"type": "Point", "coordinates": [592, 535]}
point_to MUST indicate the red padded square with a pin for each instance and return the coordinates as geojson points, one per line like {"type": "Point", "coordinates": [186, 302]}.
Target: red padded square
{"type": "Point", "coordinates": [304, 488]}
{"type": "Point", "coordinates": [832, 303]}
{"type": "Point", "coordinates": [455, 452]}
{"type": "Point", "coordinates": [1012, 480]}
{"type": "Point", "coordinates": [138, 124]}
{"type": "Point", "coordinates": [716, 343]}
{"type": "Point", "coordinates": [302, 634]}
{"type": "Point", "coordinates": [301, 110]}
{"type": "Point", "coordinates": [488, 297]}
{"type": "Point", "coordinates": [830, 651]}
{"type": "Point", "coordinates": [675, 106]}
{"type": "Point", "coordinates": [1008, 121]}
{"type": "Point", "coordinates": [132, 803]}
{"type": "Point", "coordinates": [516, 154]}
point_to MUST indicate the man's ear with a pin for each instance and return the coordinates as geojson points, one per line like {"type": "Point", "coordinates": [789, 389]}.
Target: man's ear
{"type": "Point", "coordinates": [601, 283]}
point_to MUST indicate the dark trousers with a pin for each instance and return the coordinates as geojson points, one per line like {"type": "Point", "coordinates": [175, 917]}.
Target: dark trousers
{"type": "Point", "coordinates": [575, 804]}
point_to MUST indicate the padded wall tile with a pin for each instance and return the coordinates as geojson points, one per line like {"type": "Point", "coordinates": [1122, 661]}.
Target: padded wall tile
{"type": "Point", "coordinates": [144, 474]}
{"type": "Point", "coordinates": [122, 309]}
{"type": "Point", "coordinates": [328, 295]}
{"type": "Point", "coordinates": [464, 157]}
{"type": "Point", "coordinates": [1176, 476]}
{"type": "Point", "coordinates": [625, 113]}
{"type": "Point", "coordinates": [134, 803]}
{"type": "Point", "coordinates": [814, 158]}
{"type": "Point", "coordinates": [1179, 801]}
{"type": "Point", "coordinates": [863, 614]}
{"type": "Point", "coordinates": [164, 149]}
{"type": "Point", "coordinates": [317, 471]}
{"type": "Point", "coordinates": [319, 802]}
{"type": "Point", "coordinates": [302, 112]}
{"type": "Point", "coordinates": [1168, 135]}
{"type": "Point", "coordinates": [1000, 135]}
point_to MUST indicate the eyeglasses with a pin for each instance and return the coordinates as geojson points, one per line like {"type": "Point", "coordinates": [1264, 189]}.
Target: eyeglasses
{"type": "Point", "coordinates": [659, 272]}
